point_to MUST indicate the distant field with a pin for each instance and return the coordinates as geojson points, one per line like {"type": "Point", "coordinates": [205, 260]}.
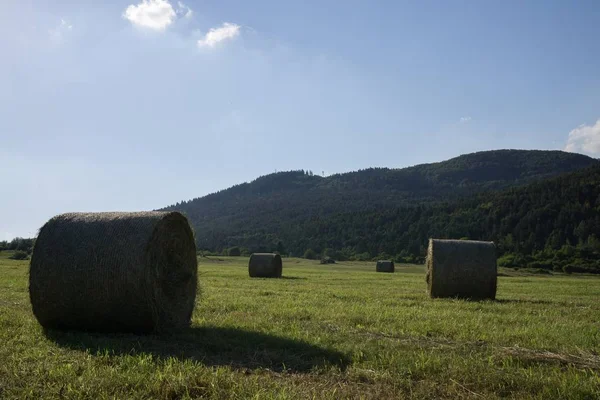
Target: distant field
{"type": "Point", "coordinates": [322, 332]}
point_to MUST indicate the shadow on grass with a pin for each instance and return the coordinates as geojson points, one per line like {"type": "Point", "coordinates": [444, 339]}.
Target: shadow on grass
{"type": "Point", "coordinates": [292, 277]}
{"type": "Point", "coordinates": [211, 346]}
{"type": "Point", "coordinates": [527, 301]}
{"type": "Point", "coordinates": [490, 301]}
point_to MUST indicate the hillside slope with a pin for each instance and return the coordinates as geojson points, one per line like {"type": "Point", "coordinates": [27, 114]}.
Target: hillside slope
{"type": "Point", "coordinates": [287, 206]}
{"type": "Point", "coordinates": [550, 224]}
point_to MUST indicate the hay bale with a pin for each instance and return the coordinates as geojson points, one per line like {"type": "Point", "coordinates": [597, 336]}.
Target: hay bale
{"type": "Point", "coordinates": [385, 266]}
{"type": "Point", "coordinates": [265, 265]}
{"type": "Point", "coordinates": [461, 268]}
{"type": "Point", "coordinates": [114, 272]}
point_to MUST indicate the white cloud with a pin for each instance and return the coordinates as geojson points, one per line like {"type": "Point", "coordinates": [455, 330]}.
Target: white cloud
{"type": "Point", "coordinates": [151, 14]}
{"type": "Point", "coordinates": [184, 10]}
{"type": "Point", "coordinates": [585, 139]}
{"type": "Point", "coordinates": [64, 24]}
{"type": "Point", "coordinates": [464, 120]}
{"type": "Point", "coordinates": [217, 35]}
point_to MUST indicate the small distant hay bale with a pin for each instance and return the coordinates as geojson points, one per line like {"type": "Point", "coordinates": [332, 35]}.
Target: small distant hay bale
{"type": "Point", "coordinates": [385, 266]}
{"type": "Point", "coordinates": [114, 272]}
{"type": "Point", "coordinates": [327, 260]}
{"type": "Point", "coordinates": [461, 268]}
{"type": "Point", "coordinates": [265, 265]}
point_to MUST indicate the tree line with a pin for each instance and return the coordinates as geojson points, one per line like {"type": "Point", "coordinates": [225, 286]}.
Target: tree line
{"type": "Point", "coordinates": [550, 225]}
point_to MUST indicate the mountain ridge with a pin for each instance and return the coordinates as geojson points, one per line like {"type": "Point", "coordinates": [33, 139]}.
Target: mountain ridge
{"type": "Point", "coordinates": [269, 210]}
{"type": "Point", "coordinates": [474, 159]}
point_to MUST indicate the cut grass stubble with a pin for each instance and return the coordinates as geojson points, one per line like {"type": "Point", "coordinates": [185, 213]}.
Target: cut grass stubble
{"type": "Point", "coordinates": [333, 331]}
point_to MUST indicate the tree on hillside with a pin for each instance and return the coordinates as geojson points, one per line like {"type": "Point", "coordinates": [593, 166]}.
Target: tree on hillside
{"type": "Point", "coordinates": [310, 254]}
{"type": "Point", "coordinates": [280, 248]}
{"type": "Point", "coordinates": [234, 251]}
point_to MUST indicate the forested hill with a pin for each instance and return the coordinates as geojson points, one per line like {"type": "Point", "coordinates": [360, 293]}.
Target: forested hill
{"type": "Point", "coordinates": [552, 224]}
{"type": "Point", "coordinates": [296, 210]}
{"type": "Point", "coordinates": [299, 194]}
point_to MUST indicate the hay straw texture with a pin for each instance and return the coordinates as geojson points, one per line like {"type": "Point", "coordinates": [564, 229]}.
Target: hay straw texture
{"type": "Point", "coordinates": [461, 268]}
{"type": "Point", "coordinates": [265, 265]}
{"type": "Point", "coordinates": [114, 272]}
{"type": "Point", "coordinates": [385, 266]}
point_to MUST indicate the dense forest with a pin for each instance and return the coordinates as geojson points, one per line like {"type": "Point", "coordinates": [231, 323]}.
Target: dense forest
{"type": "Point", "coordinates": [540, 213]}
{"type": "Point", "coordinates": [554, 224]}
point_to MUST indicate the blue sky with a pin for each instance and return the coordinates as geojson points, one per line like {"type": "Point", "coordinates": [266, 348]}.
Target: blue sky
{"type": "Point", "coordinates": [134, 105]}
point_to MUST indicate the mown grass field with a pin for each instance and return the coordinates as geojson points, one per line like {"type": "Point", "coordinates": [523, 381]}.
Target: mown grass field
{"type": "Point", "coordinates": [322, 332]}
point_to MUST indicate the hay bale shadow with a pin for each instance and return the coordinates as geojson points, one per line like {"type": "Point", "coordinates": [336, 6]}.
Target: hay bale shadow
{"type": "Point", "coordinates": [528, 301]}
{"type": "Point", "coordinates": [504, 301]}
{"type": "Point", "coordinates": [211, 346]}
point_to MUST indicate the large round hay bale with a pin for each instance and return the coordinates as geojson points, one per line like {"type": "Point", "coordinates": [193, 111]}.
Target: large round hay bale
{"type": "Point", "coordinates": [385, 266]}
{"type": "Point", "coordinates": [461, 268]}
{"type": "Point", "coordinates": [265, 265]}
{"type": "Point", "coordinates": [114, 272]}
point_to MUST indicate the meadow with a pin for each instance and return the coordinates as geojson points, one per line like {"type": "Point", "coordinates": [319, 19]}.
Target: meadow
{"type": "Point", "coordinates": [321, 332]}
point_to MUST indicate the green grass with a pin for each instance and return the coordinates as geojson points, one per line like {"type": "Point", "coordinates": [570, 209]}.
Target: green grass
{"type": "Point", "coordinates": [323, 332]}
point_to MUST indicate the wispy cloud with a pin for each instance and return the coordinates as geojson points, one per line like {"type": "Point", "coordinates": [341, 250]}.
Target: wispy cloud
{"type": "Point", "coordinates": [158, 15]}
{"type": "Point", "coordinates": [465, 120]}
{"type": "Point", "coordinates": [184, 10]}
{"type": "Point", "coordinates": [217, 35]}
{"type": "Point", "coordinates": [585, 139]}
{"type": "Point", "coordinates": [57, 33]}
{"type": "Point", "coordinates": [152, 14]}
